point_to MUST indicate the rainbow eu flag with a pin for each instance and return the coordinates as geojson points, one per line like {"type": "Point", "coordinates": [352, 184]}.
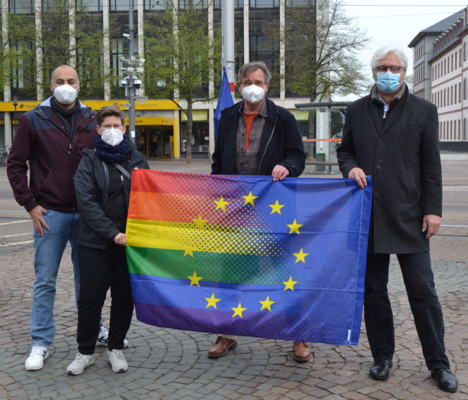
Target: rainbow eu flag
{"type": "Point", "coordinates": [243, 255]}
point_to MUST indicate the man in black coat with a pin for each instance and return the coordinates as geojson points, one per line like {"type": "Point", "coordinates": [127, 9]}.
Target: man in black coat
{"type": "Point", "coordinates": [256, 137]}
{"type": "Point", "coordinates": [392, 135]}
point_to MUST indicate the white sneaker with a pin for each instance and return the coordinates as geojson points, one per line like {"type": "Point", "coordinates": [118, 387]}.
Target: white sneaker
{"type": "Point", "coordinates": [103, 338]}
{"type": "Point", "coordinates": [36, 359]}
{"type": "Point", "coordinates": [117, 360]}
{"type": "Point", "coordinates": [81, 362]}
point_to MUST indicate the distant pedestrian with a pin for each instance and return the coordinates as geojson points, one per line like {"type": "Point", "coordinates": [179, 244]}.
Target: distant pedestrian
{"type": "Point", "coordinates": [392, 135]}
{"type": "Point", "coordinates": [102, 184]}
{"type": "Point", "coordinates": [51, 138]}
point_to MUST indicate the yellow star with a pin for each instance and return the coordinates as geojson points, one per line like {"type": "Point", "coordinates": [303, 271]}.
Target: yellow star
{"type": "Point", "coordinates": [250, 199]}
{"type": "Point", "coordinates": [188, 252]}
{"type": "Point", "coordinates": [221, 204]}
{"type": "Point", "coordinates": [294, 227]}
{"type": "Point", "coordinates": [276, 208]}
{"type": "Point", "coordinates": [301, 256]}
{"type": "Point", "coordinates": [289, 284]}
{"type": "Point", "coordinates": [194, 279]}
{"type": "Point", "coordinates": [212, 301]}
{"type": "Point", "coordinates": [238, 310]}
{"type": "Point", "coordinates": [266, 305]}
{"type": "Point", "coordinates": [200, 222]}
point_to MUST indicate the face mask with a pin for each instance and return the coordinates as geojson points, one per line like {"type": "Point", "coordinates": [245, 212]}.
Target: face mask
{"type": "Point", "coordinates": [112, 137]}
{"type": "Point", "coordinates": [388, 82]}
{"type": "Point", "coordinates": [253, 94]}
{"type": "Point", "coordinates": [65, 94]}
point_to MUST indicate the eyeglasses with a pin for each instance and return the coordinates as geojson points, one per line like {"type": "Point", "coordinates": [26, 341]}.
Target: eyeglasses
{"type": "Point", "coordinates": [111, 126]}
{"type": "Point", "coordinates": [384, 68]}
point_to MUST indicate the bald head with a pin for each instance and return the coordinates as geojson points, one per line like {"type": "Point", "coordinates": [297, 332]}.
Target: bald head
{"type": "Point", "coordinates": [64, 72]}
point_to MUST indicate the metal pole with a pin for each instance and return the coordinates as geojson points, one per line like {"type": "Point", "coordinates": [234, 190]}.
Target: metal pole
{"type": "Point", "coordinates": [227, 11]}
{"type": "Point", "coordinates": [131, 87]}
{"type": "Point", "coordinates": [15, 122]}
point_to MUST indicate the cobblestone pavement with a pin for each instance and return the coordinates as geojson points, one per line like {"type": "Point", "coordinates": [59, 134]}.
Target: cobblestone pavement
{"type": "Point", "coordinates": [170, 364]}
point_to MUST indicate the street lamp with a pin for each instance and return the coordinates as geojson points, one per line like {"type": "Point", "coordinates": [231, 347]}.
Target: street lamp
{"type": "Point", "coordinates": [15, 103]}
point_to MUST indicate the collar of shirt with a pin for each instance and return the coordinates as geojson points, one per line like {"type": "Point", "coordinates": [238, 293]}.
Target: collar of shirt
{"type": "Point", "coordinates": [385, 107]}
{"type": "Point", "coordinates": [263, 111]}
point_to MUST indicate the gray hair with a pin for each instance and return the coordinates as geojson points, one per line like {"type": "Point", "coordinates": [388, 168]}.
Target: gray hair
{"type": "Point", "coordinates": [381, 53]}
{"type": "Point", "coordinates": [53, 73]}
{"type": "Point", "coordinates": [253, 66]}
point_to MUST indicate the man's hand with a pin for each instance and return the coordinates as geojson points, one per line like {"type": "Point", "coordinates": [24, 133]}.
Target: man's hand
{"type": "Point", "coordinates": [359, 175]}
{"type": "Point", "coordinates": [37, 216]}
{"type": "Point", "coordinates": [279, 173]}
{"type": "Point", "coordinates": [431, 223]}
{"type": "Point", "coordinates": [121, 239]}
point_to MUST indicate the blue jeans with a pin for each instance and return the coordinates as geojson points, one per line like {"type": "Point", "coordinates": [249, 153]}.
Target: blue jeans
{"type": "Point", "coordinates": [48, 254]}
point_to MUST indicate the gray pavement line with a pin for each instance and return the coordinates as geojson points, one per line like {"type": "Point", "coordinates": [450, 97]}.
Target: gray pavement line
{"type": "Point", "coordinates": [15, 222]}
{"type": "Point", "coordinates": [16, 234]}
{"type": "Point", "coordinates": [457, 226]}
{"type": "Point", "coordinates": [22, 211]}
{"type": "Point", "coordinates": [17, 243]}
{"type": "Point", "coordinates": [452, 236]}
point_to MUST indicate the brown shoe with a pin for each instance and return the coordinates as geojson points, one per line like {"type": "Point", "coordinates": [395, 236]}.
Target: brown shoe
{"type": "Point", "coordinates": [301, 351]}
{"type": "Point", "coordinates": [221, 347]}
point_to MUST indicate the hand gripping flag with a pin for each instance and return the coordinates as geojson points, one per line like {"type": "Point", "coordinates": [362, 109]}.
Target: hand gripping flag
{"type": "Point", "coordinates": [243, 255]}
{"type": "Point", "coordinates": [224, 101]}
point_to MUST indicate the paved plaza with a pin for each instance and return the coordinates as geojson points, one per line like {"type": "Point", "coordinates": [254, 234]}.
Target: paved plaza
{"type": "Point", "coordinates": [169, 364]}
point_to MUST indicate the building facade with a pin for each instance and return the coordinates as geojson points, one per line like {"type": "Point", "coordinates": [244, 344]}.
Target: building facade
{"type": "Point", "coordinates": [440, 76]}
{"type": "Point", "coordinates": [161, 128]}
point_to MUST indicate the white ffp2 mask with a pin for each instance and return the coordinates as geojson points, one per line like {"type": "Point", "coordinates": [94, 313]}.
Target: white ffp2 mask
{"type": "Point", "coordinates": [113, 137]}
{"type": "Point", "coordinates": [65, 94]}
{"type": "Point", "coordinates": [253, 94]}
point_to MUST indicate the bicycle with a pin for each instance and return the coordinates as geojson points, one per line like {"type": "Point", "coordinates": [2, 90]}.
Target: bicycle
{"type": "Point", "coordinates": [4, 156]}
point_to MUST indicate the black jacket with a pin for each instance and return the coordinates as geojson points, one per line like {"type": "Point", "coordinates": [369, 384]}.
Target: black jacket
{"type": "Point", "coordinates": [403, 158]}
{"type": "Point", "coordinates": [281, 142]}
{"type": "Point", "coordinates": [96, 230]}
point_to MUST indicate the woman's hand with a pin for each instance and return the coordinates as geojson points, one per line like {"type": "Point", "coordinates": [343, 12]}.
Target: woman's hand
{"type": "Point", "coordinates": [121, 239]}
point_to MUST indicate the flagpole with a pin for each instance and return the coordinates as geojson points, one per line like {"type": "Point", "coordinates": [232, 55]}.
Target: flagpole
{"type": "Point", "coordinates": [227, 15]}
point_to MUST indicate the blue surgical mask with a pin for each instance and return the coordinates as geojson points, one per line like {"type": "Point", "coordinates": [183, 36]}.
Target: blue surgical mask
{"type": "Point", "coordinates": [388, 82]}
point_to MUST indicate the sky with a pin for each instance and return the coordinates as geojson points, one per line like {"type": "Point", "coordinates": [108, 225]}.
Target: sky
{"type": "Point", "coordinates": [397, 23]}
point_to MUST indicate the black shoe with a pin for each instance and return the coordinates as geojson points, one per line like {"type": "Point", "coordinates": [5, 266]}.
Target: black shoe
{"type": "Point", "coordinates": [446, 381]}
{"type": "Point", "coordinates": [380, 371]}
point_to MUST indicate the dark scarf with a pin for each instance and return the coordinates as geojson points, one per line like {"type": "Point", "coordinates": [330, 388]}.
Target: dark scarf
{"type": "Point", "coordinates": [71, 114]}
{"type": "Point", "coordinates": [109, 154]}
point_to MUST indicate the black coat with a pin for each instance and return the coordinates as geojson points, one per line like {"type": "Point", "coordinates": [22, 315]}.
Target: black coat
{"type": "Point", "coordinates": [404, 160]}
{"type": "Point", "coordinates": [96, 230]}
{"type": "Point", "coordinates": [281, 142]}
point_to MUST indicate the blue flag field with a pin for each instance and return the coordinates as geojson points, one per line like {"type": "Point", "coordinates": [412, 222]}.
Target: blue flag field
{"type": "Point", "coordinates": [243, 255]}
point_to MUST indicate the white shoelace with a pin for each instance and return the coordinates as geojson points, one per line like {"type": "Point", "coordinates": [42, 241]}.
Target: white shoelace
{"type": "Point", "coordinates": [38, 350]}
{"type": "Point", "coordinates": [118, 354]}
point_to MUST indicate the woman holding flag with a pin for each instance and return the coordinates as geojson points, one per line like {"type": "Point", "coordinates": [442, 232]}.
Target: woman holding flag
{"type": "Point", "coordinates": [102, 185]}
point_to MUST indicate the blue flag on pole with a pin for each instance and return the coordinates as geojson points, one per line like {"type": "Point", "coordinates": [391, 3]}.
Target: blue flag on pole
{"type": "Point", "coordinates": [243, 255]}
{"type": "Point", "coordinates": [225, 100]}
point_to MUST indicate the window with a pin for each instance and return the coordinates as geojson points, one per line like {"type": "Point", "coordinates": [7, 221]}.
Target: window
{"type": "Point", "coordinates": [455, 94]}
{"type": "Point", "coordinates": [452, 63]}
{"type": "Point", "coordinates": [154, 5]}
{"type": "Point", "coordinates": [460, 58]}
{"type": "Point", "coordinates": [456, 60]}
{"type": "Point", "coordinates": [89, 5]}
{"type": "Point", "coordinates": [264, 3]}
{"type": "Point", "coordinates": [464, 88]}
{"type": "Point", "coordinates": [451, 131]}
{"type": "Point", "coordinates": [459, 92]}
{"type": "Point", "coordinates": [459, 132]}
{"type": "Point", "coordinates": [21, 7]}
{"type": "Point", "coordinates": [451, 95]}
{"type": "Point", "coordinates": [464, 51]}
{"type": "Point", "coordinates": [122, 5]}
{"type": "Point", "coordinates": [237, 4]}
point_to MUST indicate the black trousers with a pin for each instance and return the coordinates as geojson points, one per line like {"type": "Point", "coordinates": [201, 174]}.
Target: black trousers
{"type": "Point", "coordinates": [424, 303]}
{"type": "Point", "coordinates": [99, 270]}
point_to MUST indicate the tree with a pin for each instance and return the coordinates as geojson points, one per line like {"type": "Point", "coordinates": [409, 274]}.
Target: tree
{"type": "Point", "coordinates": [183, 53]}
{"type": "Point", "coordinates": [34, 51]}
{"type": "Point", "coordinates": [321, 45]}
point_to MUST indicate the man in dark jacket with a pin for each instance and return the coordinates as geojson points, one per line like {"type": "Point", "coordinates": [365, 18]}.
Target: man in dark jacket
{"type": "Point", "coordinates": [393, 136]}
{"type": "Point", "coordinates": [256, 137]}
{"type": "Point", "coordinates": [51, 137]}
